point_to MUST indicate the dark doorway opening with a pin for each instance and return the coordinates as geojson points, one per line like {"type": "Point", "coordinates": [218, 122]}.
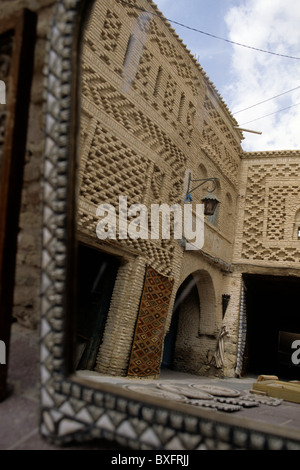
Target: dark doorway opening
{"type": "Point", "coordinates": [97, 272]}
{"type": "Point", "coordinates": [170, 339]}
{"type": "Point", "coordinates": [273, 324]}
{"type": "Point", "coordinates": [187, 290]}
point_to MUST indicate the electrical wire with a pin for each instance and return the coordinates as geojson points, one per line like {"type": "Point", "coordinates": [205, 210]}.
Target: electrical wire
{"type": "Point", "coordinates": [271, 114]}
{"type": "Point", "coordinates": [209, 34]}
{"type": "Point", "coordinates": [237, 44]}
{"type": "Point", "coordinates": [269, 99]}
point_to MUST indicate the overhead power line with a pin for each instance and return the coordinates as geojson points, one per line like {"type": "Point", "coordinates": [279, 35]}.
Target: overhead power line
{"type": "Point", "coordinates": [269, 99]}
{"type": "Point", "coordinates": [209, 34]}
{"type": "Point", "coordinates": [271, 114]}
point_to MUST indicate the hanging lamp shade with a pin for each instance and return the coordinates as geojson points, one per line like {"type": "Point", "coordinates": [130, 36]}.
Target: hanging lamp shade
{"type": "Point", "coordinates": [210, 202]}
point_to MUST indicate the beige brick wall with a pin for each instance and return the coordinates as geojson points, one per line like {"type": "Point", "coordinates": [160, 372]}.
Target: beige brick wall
{"type": "Point", "coordinates": [26, 298]}
{"type": "Point", "coordinates": [149, 114]}
{"type": "Point", "coordinates": [266, 233]}
{"type": "Point", "coordinates": [266, 238]}
{"type": "Point", "coordinates": [142, 127]}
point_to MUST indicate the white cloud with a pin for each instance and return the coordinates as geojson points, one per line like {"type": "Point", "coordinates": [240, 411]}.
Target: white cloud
{"type": "Point", "coordinates": [255, 76]}
{"type": "Point", "coordinates": [244, 76]}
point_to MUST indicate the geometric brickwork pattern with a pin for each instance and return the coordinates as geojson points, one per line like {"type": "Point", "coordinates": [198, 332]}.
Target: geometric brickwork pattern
{"type": "Point", "coordinates": [161, 257]}
{"type": "Point", "coordinates": [133, 150]}
{"type": "Point", "coordinates": [215, 148]}
{"type": "Point", "coordinates": [148, 338]}
{"type": "Point", "coordinates": [105, 98]}
{"type": "Point", "coordinates": [270, 187]}
{"type": "Point", "coordinates": [278, 196]}
{"type": "Point", "coordinates": [72, 410]}
{"type": "Point", "coordinates": [112, 169]}
{"type": "Point", "coordinates": [178, 109]}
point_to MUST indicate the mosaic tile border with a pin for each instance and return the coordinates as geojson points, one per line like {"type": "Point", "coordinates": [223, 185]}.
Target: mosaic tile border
{"type": "Point", "coordinates": [71, 409]}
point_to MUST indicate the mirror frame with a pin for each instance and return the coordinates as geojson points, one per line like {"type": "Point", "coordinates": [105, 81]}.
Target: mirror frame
{"type": "Point", "coordinates": [73, 408]}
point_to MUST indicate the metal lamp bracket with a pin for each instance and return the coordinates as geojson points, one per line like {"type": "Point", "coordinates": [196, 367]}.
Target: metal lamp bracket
{"type": "Point", "coordinates": [188, 196]}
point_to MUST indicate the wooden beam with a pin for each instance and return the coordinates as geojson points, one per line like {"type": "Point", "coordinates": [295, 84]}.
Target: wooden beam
{"type": "Point", "coordinates": [288, 391]}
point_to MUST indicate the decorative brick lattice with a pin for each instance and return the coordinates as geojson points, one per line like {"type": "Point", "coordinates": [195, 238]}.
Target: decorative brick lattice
{"type": "Point", "coordinates": [160, 253]}
{"type": "Point", "coordinates": [108, 99]}
{"type": "Point", "coordinates": [111, 170]}
{"type": "Point", "coordinates": [111, 31]}
{"type": "Point", "coordinates": [143, 72]}
{"type": "Point", "coordinates": [172, 54]}
{"type": "Point", "coordinates": [269, 187]}
{"type": "Point", "coordinates": [169, 98]}
{"type": "Point", "coordinates": [214, 146]}
{"type": "Point", "coordinates": [276, 213]}
{"type": "Point", "coordinates": [157, 182]}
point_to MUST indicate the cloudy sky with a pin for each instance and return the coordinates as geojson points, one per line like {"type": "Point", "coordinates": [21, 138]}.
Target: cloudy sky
{"type": "Point", "coordinates": [245, 77]}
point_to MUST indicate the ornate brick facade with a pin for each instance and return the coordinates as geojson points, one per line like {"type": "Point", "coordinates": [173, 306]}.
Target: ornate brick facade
{"type": "Point", "coordinates": [149, 113]}
{"type": "Point", "coordinates": [269, 204]}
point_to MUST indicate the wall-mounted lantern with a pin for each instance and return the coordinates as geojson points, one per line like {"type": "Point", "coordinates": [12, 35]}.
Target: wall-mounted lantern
{"type": "Point", "coordinates": [210, 201]}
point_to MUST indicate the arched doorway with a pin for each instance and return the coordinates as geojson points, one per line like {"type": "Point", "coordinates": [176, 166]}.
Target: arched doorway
{"type": "Point", "coordinates": [193, 313]}
{"type": "Point", "coordinates": [187, 294]}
